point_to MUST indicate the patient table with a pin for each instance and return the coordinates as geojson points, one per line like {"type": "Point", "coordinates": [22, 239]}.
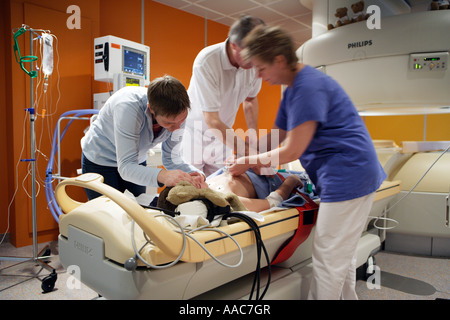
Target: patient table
{"type": "Point", "coordinates": [96, 237]}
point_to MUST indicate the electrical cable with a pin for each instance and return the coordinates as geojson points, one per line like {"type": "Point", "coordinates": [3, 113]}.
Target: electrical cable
{"type": "Point", "coordinates": [386, 219]}
{"type": "Point", "coordinates": [210, 254]}
{"type": "Point", "coordinates": [133, 243]}
{"type": "Point", "coordinates": [259, 246]}
{"type": "Point", "coordinates": [49, 192]}
{"type": "Point", "coordinates": [404, 196]}
{"type": "Point", "coordinates": [184, 235]}
{"type": "Point", "coordinates": [423, 176]}
{"type": "Point", "coordinates": [17, 182]}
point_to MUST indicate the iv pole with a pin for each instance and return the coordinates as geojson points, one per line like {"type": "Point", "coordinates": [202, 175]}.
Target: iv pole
{"type": "Point", "coordinates": [49, 281]}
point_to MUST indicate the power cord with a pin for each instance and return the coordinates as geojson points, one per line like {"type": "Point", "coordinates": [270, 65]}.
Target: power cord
{"type": "Point", "coordinates": [404, 196]}
{"type": "Point", "coordinates": [131, 263]}
{"type": "Point", "coordinates": [259, 247]}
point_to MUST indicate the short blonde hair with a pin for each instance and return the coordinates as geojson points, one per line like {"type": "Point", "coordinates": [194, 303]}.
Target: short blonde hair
{"type": "Point", "coordinates": [266, 43]}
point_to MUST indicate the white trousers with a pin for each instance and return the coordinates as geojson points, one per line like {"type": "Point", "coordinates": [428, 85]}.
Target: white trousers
{"type": "Point", "coordinates": [339, 227]}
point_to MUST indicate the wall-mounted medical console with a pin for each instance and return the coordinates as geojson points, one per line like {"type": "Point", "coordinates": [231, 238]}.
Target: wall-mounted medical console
{"type": "Point", "coordinates": [114, 56]}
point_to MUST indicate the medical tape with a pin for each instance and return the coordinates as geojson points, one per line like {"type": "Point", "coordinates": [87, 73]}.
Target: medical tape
{"type": "Point", "coordinates": [275, 199]}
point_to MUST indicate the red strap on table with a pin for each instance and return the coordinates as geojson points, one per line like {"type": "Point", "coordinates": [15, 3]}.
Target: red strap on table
{"type": "Point", "coordinates": [307, 216]}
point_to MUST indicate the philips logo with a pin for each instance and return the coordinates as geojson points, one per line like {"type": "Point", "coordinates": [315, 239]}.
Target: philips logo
{"type": "Point", "coordinates": [359, 44]}
{"type": "Point", "coordinates": [82, 247]}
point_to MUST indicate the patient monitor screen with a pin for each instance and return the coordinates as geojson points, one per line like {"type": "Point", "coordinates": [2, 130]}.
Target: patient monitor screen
{"type": "Point", "coordinates": [133, 61]}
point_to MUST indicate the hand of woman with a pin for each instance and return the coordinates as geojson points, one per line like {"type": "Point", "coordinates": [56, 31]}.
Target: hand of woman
{"type": "Point", "coordinates": [238, 169]}
{"type": "Point", "coordinates": [238, 166]}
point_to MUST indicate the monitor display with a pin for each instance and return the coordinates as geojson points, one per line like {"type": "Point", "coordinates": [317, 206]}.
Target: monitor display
{"type": "Point", "coordinates": [133, 61]}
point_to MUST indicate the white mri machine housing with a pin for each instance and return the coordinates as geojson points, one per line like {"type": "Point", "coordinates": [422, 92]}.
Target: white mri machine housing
{"type": "Point", "coordinates": [376, 67]}
{"type": "Point", "coordinates": [400, 69]}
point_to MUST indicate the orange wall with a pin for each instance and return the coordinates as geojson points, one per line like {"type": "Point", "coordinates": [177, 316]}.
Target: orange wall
{"type": "Point", "coordinates": [409, 128]}
{"type": "Point", "coordinates": [269, 99]}
{"type": "Point", "coordinates": [75, 73]}
{"type": "Point", "coordinates": [4, 100]}
{"type": "Point", "coordinates": [174, 37]}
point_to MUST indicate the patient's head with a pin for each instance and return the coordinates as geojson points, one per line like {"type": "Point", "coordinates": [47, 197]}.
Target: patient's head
{"type": "Point", "coordinates": [184, 192]}
{"type": "Point", "coordinates": [163, 203]}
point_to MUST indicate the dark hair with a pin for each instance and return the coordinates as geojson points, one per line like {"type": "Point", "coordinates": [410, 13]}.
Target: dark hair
{"type": "Point", "coordinates": [241, 27]}
{"type": "Point", "coordinates": [167, 96]}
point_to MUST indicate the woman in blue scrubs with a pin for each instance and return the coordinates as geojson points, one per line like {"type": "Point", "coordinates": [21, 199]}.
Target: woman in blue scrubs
{"type": "Point", "coordinates": [320, 126]}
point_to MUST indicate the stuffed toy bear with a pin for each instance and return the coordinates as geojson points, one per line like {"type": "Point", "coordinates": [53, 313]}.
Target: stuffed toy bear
{"type": "Point", "coordinates": [341, 14]}
{"type": "Point", "coordinates": [358, 12]}
{"type": "Point", "coordinates": [171, 197]}
{"type": "Point", "coordinates": [439, 5]}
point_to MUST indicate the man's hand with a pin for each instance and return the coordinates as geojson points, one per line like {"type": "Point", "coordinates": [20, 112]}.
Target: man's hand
{"type": "Point", "coordinates": [171, 177]}
{"type": "Point", "coordinates": [199, 179]}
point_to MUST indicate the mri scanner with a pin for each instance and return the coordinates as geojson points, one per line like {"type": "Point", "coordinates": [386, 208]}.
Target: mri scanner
{"type": "Point", "coordinates": [105, 236]}
{"type": "Point", "coordinates": [399, 69]}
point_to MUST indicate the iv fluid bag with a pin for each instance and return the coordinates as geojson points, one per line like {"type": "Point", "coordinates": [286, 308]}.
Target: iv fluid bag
{"type": "Point", "coordinates": [47, 54]}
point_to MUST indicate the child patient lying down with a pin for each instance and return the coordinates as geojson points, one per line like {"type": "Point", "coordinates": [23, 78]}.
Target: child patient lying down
{"type": "Point", "coordinates": [256, 192]}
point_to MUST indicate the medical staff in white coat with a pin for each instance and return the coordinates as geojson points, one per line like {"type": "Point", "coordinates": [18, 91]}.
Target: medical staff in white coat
{"type": "Point", "coordinates": [220, 83]}
{"type": "Point", "coordinates": [320, 126]}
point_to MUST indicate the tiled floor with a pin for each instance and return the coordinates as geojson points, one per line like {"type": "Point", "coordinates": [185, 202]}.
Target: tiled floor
{"type": "Point", "coordinates": [22, 284]}
{"type": "Point", "coordinates": [405, 277]}
{"type": "Point", "coordinates": [401, 277]}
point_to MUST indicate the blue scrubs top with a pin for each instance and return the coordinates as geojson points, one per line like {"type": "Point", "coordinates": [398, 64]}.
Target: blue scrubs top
{"type": "Point", "coordinates": [340, 160]}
